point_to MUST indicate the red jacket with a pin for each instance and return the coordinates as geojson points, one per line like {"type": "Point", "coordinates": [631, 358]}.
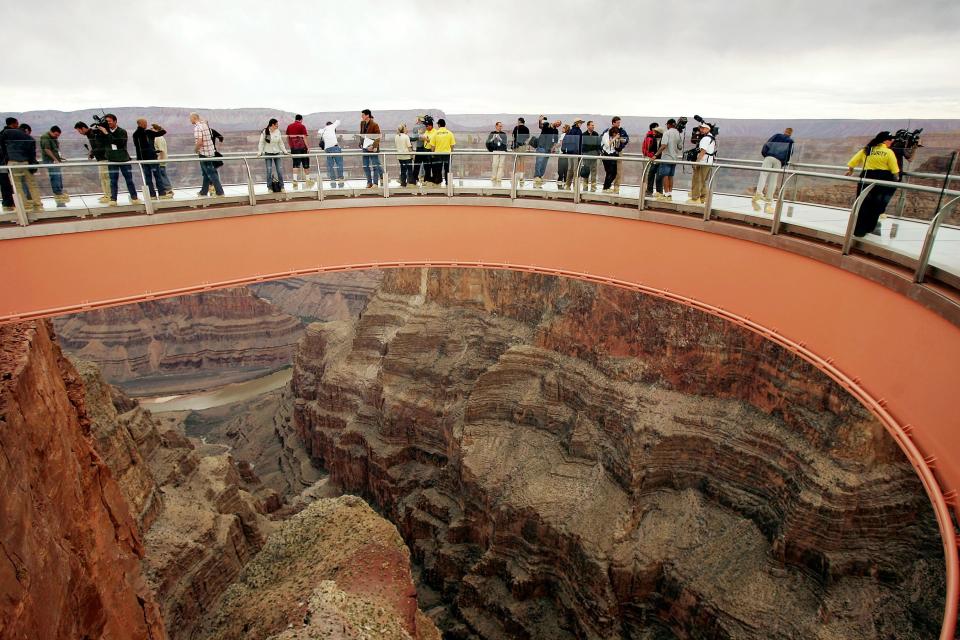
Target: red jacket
{"type": "Point", "coordinates": [650, 144]}
{"type": "Point", "coordinates": [297, 136]}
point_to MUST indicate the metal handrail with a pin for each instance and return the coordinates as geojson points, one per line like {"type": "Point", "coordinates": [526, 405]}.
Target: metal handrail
{"type": "Point", "coordinates": [928, 239]}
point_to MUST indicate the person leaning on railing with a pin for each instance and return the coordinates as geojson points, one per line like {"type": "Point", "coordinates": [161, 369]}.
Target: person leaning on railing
{"type": "Point", "coordinates": [299, 148]}
{"type": "Point", "coordinates": [50, 156]}
{"type": "Point", "coordinates": [776, 154]}
{"type": "Point", "coordinates": [497, 145]}
{"type": "Point", "coordinates": [271, 148]}
{"type": "Point", "coordinates": [877, 162]}
{"type": "Point", "coordinates": [97, 150]}
{"type": "Point", "coordinates": [204, 147]}
{"type": "Point", "coordinates": [331, 147]}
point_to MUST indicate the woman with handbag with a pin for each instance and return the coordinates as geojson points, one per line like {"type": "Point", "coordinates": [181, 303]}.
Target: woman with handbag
{"type": "Point", "coordinates": [271, 146]}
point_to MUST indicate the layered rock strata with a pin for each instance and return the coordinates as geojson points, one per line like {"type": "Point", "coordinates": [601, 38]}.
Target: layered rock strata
{"type": "Point", "coordinates": [71, 551]}
{"type": "Point", "coordinates": [200, 527]}
{"type": "Point", "coordinates": [184, 343]}
{"type": "Point", "coordinates": [336, 570]}
{"type": "Point", "coordinates": [328, 296]}
{"type": "Point", "coordinates": [575, 461]}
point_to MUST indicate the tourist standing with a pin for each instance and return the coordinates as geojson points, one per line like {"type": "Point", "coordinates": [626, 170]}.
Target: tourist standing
{"type": "Point", "coordinates": [571, 145]}
{"type": "Point", "coordinates": [520, 144]}
{"type": "Point", "coordinates": [118, 157]}
{"type": "Point", "coordinates": [623, 139]}
{"type": "Point", "coordinates": [271, 146]}
{"type": "Point", "coordinates": [430, 172]}
{"type": "Point", "coordinates": [876, 162]}
{"type": "Point", "coordinates": [143, 145]}
{"type": "Point", "coordinates": [370, 146]}
{"type": "Point", "coordinates": [6, 186]}
{"type": "Point", "coordinates": [590, 147]}
{"type": "Point", "coordinates": [300, 149]}
{"type": "Point", "coordinates": [706, 151]}
{"type": "Point", "coordinates": [442, 143]}
{"type": "Point", "coordinates": [549, 133]}
{"type": "Point", "coordinates": [670, 152]}
{"type": "Point", "coordinates": [160, 145]}
{"type": "Point", "coordinates": [497, 145]}
{"type": "Point", "coordinates": [776, 154]}
{"type": "Point", "coordinates": [651, 142]}
{"type": "Point", "coordinates": [404, 148]}
{"type": "Point", "coordinates": [417, 140]}
{"type": "Point", "coordinates": [97, 150]}
{"type": "Point", "coordinates": [330, 144]}
{"type": "Point", "coordinates": [50, 156]}
{"type": "Point", "coordinates": [20, 149]}
{"type": "Point", "coordinates": [610, 150]}
{"type": "Point", "coordinates": [203, 146]}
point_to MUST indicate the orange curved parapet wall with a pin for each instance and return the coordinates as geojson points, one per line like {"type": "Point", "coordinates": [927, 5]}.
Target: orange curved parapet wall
{"type": "Point", "coordinates": [900, 359]}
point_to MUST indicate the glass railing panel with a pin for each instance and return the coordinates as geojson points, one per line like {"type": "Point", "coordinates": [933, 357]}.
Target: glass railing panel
{"type": "Point", "coordinates": [747, 192]}
{"type": "Point", "coordinates": [820, 204]}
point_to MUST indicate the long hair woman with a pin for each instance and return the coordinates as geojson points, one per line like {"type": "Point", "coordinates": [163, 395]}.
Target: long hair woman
{"type": "Point", "coordinates": [876, 162]}
{"type": "Point", "coordinates": [272, 148]}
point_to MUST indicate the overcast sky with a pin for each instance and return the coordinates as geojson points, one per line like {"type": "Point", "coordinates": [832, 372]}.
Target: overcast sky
{"type": "Point", "coordinates": [729, 58]}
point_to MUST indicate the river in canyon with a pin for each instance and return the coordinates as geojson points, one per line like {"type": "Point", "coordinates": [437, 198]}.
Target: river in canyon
{"type": "Point", "coordinates": [219, 396]}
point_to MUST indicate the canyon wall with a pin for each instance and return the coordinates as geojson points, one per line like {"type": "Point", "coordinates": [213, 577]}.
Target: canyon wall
{"type": "Point", "coordinates": [568, 460]}
{"type": "Point", "coordinates": [185, 343]}
{"type": "Point", "coordinates": [71, 549]}
{"type": "Point", "coordinates": [326, 296]}
{"type": "Point", "coordinates": [200, 526]}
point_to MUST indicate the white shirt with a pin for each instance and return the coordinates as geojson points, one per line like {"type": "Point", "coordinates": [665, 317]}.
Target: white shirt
{"type": "Point", "coordinates": [274, 146]}
{"type": "Point", "coordinates": [402, 143]}
{"type": "Point", "coordinates": [329, 135]}
{"type": "Point", "coordinates": [709, 145]}
{"type": "Point", "coordinates": [160, 144]}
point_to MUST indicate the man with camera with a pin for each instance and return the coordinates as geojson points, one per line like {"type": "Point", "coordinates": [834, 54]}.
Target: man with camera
{"type": "Point", "coordinates": [116, 143]}
{"type": "Point", "coordinates": [706, 151]}
{"type": "Point", "coordinates": [497, 145]}
{"type": "Point", "coordinates": [96, 150]}
{"type": "Point", "coordinates": [776, 155]}
{"type": "Point", "coordinates": [623, 139]}
{"type": "Point", "coordinates": [143, 144]}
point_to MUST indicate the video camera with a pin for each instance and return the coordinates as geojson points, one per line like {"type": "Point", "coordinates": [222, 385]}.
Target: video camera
{"type": "Point", "coordinates": [681, 124]}
{"type": "Point", "coordinates": [905, 144]}
{"type": "Point", "coordinates": [98, 121]}
{"type": "Point", "coordinates": [696, 136]}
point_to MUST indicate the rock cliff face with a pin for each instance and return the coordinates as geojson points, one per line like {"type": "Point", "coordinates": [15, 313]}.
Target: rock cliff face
{"type": "Point", "coordinates": [70, 566]}
{"type": "Point", "coordinates": [330, 296]}
{"type": "Point", "coordinates": [199, 526]}
{"type": "Point", "coordinates": [574, 461]}
{"type": "Point", "coordinates": [183, 343]}
{"type": "Point", "coordinates": [336, 570]}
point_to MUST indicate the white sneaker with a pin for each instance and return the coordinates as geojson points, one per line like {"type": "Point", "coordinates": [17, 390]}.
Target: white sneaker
{"type": "Point", "coordinates": [310, 184]}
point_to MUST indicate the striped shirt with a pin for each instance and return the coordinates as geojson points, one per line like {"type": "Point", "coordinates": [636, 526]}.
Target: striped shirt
{"type": "Point", "coordinates": [201, 135]}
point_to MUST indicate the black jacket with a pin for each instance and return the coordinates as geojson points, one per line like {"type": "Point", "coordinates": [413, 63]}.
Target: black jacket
{"type": "Point", "coordinates": [98, 144]}
{"type": "Point", "coordinates": [497, 141]}
{"type": "Point", "coordinates": [548, 137]}
{"type": "Point", "coordinates": [17, 145]}
{"type": "Point", "coordinates": [521, 136]}
{"type": "Point", "coordinates": [143, 143]}
{"type": "Point", "coordinates": [591, 143]}
{"type": "Point", "coordinates": [117, 138]}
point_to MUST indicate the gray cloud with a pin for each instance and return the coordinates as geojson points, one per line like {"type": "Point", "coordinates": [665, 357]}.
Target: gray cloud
{"type": "Point", "coordinates": [746, 58]}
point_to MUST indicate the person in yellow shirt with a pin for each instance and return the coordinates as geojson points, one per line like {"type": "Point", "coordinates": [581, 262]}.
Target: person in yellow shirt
{"type": "Point", "coordinates": [441, 143]}
{"type": "Point", "coordinates": [876, 162]}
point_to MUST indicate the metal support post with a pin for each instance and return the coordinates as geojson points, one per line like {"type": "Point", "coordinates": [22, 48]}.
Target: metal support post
{"type": "Point", "coordinates": [513, 178]}
{"type": "Point", "coordinates": [644, 177]}
{"type": "Point", "coordinates": [778, 212]}
{"type": "Point", "coordinates": [854, 214]}
{"type": "Point", "coordinates": [22, 219]}
{"type": "Point", "coordinates": [147, 202]}
{"type": "Point", "coordinates": [708, 199]}
{"type": "Point", "coordinates": [319, 179]}
{"type": "Point", "coordinates": [576, 180]}
{"type": "Point", "coordinates": [921, 273]}
{"type": "Point", "coordinates": [251, 193]}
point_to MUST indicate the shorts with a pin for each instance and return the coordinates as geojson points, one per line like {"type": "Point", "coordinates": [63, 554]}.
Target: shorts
{"type": "Point", "coordinates": [300, 161]}
{"type": "Point", "coordinates": [667, 169]}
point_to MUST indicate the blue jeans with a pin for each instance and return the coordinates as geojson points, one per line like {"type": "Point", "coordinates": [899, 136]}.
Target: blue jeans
{"type": "Point", "coordinates": [540, 167]}
{"type": "Point", "coordinates": [334, 164]}
{"type": "Point", "coordinates": [210, 176]}
{"type": "Point", "coordinates": [372, 168]}
{"type": "Point", "coordinates": [151, 174]}
{"type": "Point", "coordinates": [115, 170]}
{"type": "Point", "coordinates": [164, 179]}
{"type": "Point", "coordinates": [274, 169]}
{"type": "Point", "coordinates": [56, 179]}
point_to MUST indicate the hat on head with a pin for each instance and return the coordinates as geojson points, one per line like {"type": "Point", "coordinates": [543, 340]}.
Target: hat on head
{"type": "Point", "coordinates": [427, 119]}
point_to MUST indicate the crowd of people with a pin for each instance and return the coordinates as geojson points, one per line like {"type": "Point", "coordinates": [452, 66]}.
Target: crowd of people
{"type": "Point", "coordinates": [423, 153]}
